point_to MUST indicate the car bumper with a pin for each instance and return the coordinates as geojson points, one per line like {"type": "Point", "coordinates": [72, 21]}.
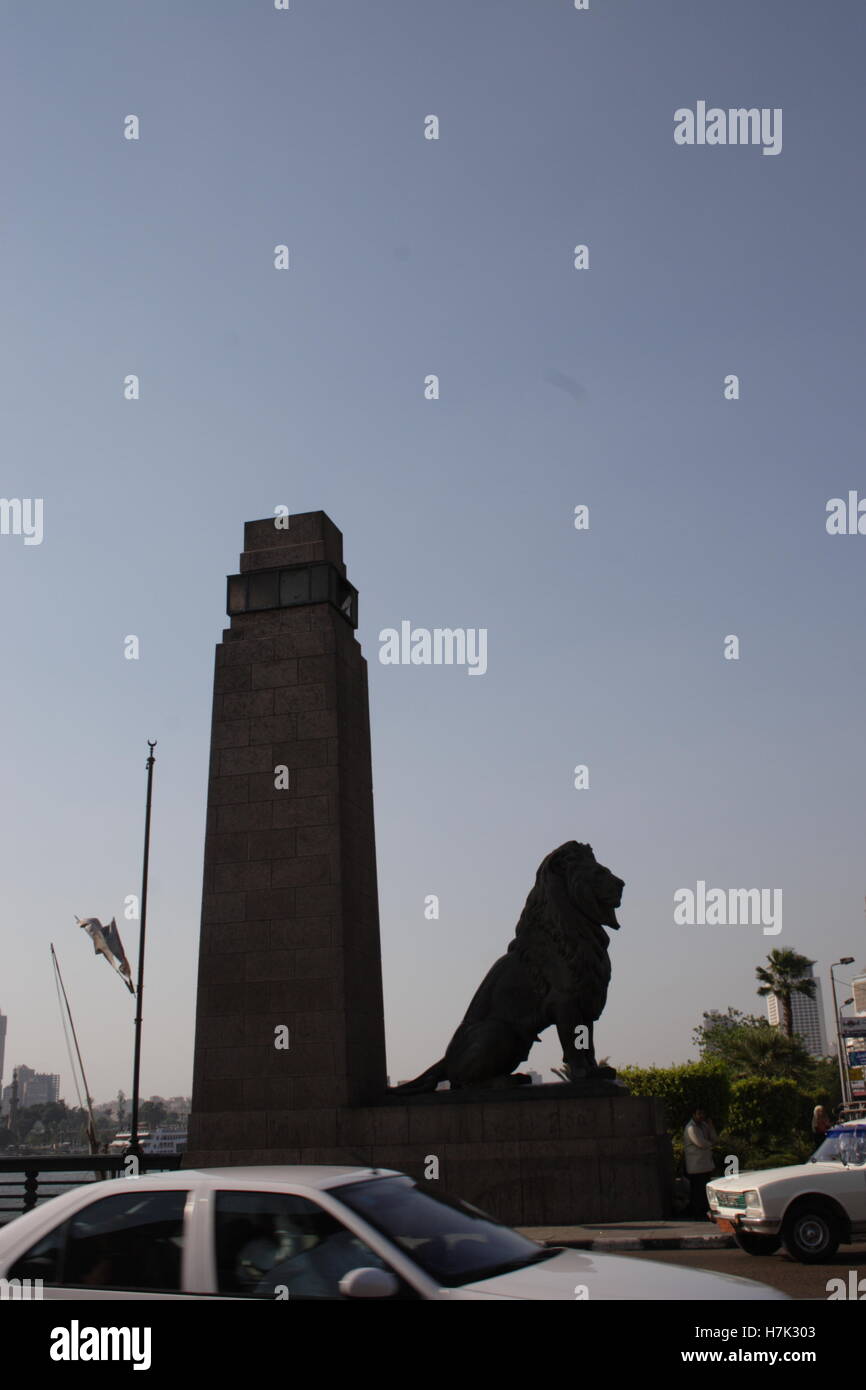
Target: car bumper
{"type": "Point", "coordinates": [735, 1221]}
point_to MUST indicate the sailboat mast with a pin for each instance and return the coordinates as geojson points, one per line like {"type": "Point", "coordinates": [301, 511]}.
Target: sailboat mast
{"type": "Point", "coordinates": [92, 1126]}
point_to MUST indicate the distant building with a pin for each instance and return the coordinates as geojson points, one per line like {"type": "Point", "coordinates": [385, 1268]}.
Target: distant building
{"type": "Point", "coordinates": [716, 1020]}
{"type": "Point", "coordinates": [807, 1018]}
{"type": "Point", "coordinates": [34, 1088]}
{"type": "Point", "coordinates": [42, 1088]}
{"type": "Point", "coordinates": [3, 1022]}
{"type": "Point", "coordinates": [859, 1004]}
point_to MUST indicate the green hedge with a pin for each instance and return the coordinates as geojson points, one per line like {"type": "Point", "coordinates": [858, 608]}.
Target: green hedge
{"type": "Point", "coordinates": [770, 1106]}
{"type": "Point", "coordinates": [682, 1089]}
{"type": "Point", "coordinates": [764, 1121]}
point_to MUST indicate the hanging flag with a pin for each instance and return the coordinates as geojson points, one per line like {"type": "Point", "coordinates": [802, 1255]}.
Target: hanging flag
{"type": "Point", "coordinates": [106, 942]}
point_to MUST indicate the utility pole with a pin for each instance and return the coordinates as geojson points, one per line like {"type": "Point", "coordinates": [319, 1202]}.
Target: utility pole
{"type": "Point", "coordinates": [842, 1052]}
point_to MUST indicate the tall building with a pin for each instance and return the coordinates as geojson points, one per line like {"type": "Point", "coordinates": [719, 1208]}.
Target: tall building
{"type": "Point", "coordinates": [859, 985]}
{"type": "Point", "coordinates": [3, 1022]}
{"type": "Point", "coordinates": [34, 1087]}
{"type": "Point", "coordinates": [807, 1017]}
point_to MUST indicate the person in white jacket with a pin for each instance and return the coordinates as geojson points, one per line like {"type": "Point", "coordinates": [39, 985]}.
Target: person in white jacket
{"type": "Point", "coordinates": [699, 1136]}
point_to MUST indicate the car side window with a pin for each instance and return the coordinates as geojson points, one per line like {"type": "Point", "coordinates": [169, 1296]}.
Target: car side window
{"type": "Point", "coordinates": [852, 1146]}
{"type": "Point", "coordinates": [277, 1245]}
{"type": "Point", "coordinates": [130, 1241]}
{"type": "Point", "coordinates": [42, 1260]}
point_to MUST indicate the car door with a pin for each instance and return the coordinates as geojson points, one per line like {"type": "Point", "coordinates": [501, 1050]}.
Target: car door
{"type": "Point", "coordinates": [283, 1246]}
{"type": "Point", "coordinates": [127, 1245]}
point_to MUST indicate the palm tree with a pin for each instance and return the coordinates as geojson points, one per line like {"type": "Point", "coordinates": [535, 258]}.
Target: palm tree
{"type": "Point", "coordinates": [788, 974]}
{"type": "Point", "coordinates": [766, 1051]}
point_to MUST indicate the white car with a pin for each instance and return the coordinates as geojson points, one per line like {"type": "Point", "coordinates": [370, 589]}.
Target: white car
{"type": "Point", "coordinates": [810, 1208]}
{"type": "Point", "coordinates": [309, 1233]}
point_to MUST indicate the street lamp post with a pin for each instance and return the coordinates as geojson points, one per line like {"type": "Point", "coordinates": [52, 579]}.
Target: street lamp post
{"type": "Point", "coordinates": [843, 1056]}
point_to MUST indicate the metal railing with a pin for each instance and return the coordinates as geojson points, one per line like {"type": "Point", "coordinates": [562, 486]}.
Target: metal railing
{"type": "Point", "coordinates": [26, 1182]}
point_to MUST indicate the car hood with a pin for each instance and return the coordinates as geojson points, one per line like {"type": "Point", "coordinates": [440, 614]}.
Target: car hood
{"type": "Point", "coordinates": [745, 1181]}
{"type": "Point", "coordinates": [582, 1274]}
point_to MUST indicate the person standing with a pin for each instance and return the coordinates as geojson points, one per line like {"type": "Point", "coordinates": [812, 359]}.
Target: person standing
{"type": "Point", "coordinates": [821, 1122]}
{"type": "Point", "coordinates": [699, 1136]}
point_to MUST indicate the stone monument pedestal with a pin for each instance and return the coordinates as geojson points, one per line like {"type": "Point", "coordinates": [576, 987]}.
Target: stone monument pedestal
{"type": "Point", "coordinates": [290, 1036]}
{"type": "Point", "coordinates": [528, 1159]}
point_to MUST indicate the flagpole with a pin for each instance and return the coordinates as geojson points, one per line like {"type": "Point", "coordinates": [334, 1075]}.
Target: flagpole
{"type": "Point", "coordinates": [136, 1065]}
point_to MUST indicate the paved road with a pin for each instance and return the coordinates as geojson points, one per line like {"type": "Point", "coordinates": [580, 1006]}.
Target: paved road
{"type": "Point", "coordinates": [796, 1280]}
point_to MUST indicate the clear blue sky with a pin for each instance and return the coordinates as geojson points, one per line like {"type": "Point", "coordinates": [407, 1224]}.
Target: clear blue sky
{"type": "Point", "coordinates": [558, 387]}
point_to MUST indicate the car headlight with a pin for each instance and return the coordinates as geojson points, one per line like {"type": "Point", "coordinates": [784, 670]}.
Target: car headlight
{"type": "Point", "coordinates": [713, 1197]}
{"type": "Point", "coordinates": [753, 1201]}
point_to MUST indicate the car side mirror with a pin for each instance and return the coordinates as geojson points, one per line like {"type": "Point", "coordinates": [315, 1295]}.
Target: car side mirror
{"type": "Point", "coordinates": [369, 1283]}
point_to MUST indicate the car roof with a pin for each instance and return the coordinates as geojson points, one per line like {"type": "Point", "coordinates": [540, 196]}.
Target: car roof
{"type": "Point", "coordinates": [321, 1175]}
{"type": "Point", "coordinates": [264, 1177]}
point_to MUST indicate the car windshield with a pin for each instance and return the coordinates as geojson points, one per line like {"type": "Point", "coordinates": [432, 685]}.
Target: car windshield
{"type": "Point", "coordinates": [453, 1242]}
{"type": "Point", "coordinates": [843, 1146]}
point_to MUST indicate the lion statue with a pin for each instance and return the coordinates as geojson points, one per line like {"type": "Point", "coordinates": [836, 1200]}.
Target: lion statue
{"type": "Point", "coordinates": [556, 970]}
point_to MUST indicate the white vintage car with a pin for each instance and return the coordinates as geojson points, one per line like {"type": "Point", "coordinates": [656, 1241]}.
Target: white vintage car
{"type": "Point", "coordinates": [810, 1208]}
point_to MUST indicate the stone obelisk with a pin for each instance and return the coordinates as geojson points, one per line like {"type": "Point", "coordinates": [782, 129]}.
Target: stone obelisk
{"type": "Point", "coordinates": [289, 1022]}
